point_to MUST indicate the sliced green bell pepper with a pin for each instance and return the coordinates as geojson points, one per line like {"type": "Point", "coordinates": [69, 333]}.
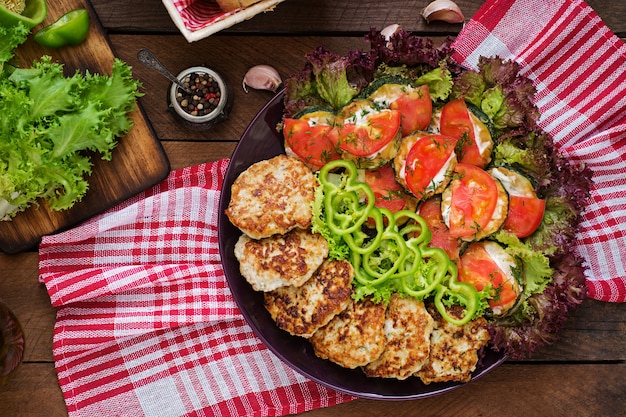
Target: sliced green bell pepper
{"type": "Point", "coordinates": [34, 13]}
{"type": "Point", "coordinates": [70, 29]}
{"type": "Point", "coordinates": [388, 255]}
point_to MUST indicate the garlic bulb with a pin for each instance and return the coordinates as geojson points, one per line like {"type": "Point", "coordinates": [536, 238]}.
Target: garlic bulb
{"type": "Point", "coordinates": [444, 10]}
{"type": "Point", "coordinates": [262, 77]}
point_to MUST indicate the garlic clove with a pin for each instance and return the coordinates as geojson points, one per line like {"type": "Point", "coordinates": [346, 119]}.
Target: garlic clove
{"type": "Point", "coordinates": [262, 77]}
{"type": "Point", "coordinates": [443, 10]}
{"type": "Point", "coordinates": [389, 31]}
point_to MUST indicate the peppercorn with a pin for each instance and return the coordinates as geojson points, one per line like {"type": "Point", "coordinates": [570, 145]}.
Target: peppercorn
{"type": "Point", "coordinates": [206, 95]}
{"type": "Point", "coordinates": [208, 99]}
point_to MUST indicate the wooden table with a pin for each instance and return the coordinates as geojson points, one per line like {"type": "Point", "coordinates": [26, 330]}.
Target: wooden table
{"type": "Point", "coordinates": [583, 374]}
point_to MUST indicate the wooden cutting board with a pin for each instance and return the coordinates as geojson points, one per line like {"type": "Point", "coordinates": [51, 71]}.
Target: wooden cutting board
{"type": "Point", "coordinates": [138, 161]}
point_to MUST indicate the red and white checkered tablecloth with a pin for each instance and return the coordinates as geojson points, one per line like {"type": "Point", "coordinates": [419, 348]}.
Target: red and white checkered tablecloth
{"type": "Point", "coordinates": [146, 324]}
{"type": "Point", "coordinates": [196, 14]}
{"type": "Point", "coordinates": [579, 68]}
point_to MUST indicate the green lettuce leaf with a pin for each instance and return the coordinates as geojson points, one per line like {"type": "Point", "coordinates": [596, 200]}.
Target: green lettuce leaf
{"type": "Point", "coordinates": [10, 39]}
{"type": "Point", "coordinates": [537, 272]}
{"type": "Point", "coordinates": [439, 82]}
{"type": "Point", "coordinates": [49, 122]}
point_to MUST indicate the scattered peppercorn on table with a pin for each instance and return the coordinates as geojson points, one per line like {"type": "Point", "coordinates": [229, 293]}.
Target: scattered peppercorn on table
{"type": "Point", "coordinates": [581, 374]}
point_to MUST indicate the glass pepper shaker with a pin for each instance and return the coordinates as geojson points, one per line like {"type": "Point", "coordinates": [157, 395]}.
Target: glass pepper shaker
{"type": "Point", "coordinates": [209, 102]}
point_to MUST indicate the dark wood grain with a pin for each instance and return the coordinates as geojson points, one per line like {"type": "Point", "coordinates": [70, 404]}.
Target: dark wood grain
{"type": "Point", "coordinates": [33, 392]}
{"type": "Point", "coordinates": [320, 16]}
{"type": "Point", "coordinates": [230, 56]}
{"type": "Point", "coordinates": [592, 390]}
{"type": "Point", "coordinates": [22, 292]}
{"type": "Point", "coordinates": [183, 154]}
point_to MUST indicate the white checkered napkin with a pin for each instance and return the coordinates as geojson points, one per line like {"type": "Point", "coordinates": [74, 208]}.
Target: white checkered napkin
{"type": "Point", "coordinates": [579, 68]}
{"type": "Point", "coordinates": [198, 14]}
{"type": "Point", "coordinates": [146, 324]}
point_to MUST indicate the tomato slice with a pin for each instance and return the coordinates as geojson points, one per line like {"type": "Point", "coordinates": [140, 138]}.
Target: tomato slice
{"type": "Point", "coordinates": [477, 267]}
{"type": "Point", "coordinates": [525, 215]}
{"type": "Point", "coordinates": [388, 193]}
{"type": "Point", "coordinates": [366, 130]}
{"type": "Point", "coordinates": [415, 107]}
{"type": "Point", "coordinates": [413, 103]}
{"type": "Point", "coordinates": [456, 122]}
{"type": "Point", "coordinates": [426, 158]}
{"type": "Point", "coordinates": [430, 210]}
{"type": "Point", "coordinates": [473, 202]}
{"type": "Point", "coordinates": [310, 140]}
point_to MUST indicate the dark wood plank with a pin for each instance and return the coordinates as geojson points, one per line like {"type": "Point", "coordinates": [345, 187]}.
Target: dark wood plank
{"type": "Point", "coordinates": [183, 154]}
{"type": "Point", "coordinates": [595, 331]}
{"type": "Point", "coordinates": [581, 374]}
{"type": "Point", "coordinates": [32, 391]}
{"type": "Point", "coordinates": [511, 390]}
{"type": "Point", "coordinates": [21, 291]}
{"type": "Point", "coordinates": [548, 390]}
{"type": "Point", "coordinates": [231, 56]}
{"type": "Point", "coordinates": [321, 16]}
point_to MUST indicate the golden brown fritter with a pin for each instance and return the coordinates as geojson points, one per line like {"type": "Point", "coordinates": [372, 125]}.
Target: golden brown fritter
{"type": "Point", "coordinates": [354, 337]}
{"type": "Point", "coordinates": [302, 310]}
{"type": "Point", "coordinates": [272, 197]}
{"type": "Point", "coordinates": [280, 260]}
{"type": "Point", "coordinates": [407, 327]}
{"type": "Point", "coordinates": [453, 349]}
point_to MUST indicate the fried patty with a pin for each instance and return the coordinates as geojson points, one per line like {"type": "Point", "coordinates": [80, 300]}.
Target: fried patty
{"type": "Point", "coordinates": [354, 337]}
{"type": "Point", "coordinates": [302, 310]}
{"type": "Point", "coordinates": [453, 349]}
{"type": "Point", "coordinates": [407, 327]}
{"type": "Point", "coordinates": [280, 260]}
{"type": "Point", "coordinates": [272, 197]}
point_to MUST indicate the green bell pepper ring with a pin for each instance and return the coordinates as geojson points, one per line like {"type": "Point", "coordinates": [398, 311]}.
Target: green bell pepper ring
{"type": "Point", "coordinates": [387, 258]}
{"type": "Point", "coordinates": [360, 242]}
{"type": "Point", "coordinates": [464, 292]}
{"type": "Point", "coordinates": [438, 266]}
{"type": "Point", "coordinates": [367, 255]}
{"type": "Point", "coordinates": [411, 263]}
{"type": "Point", "coordinates": [416, 233]}
{"type": "Point", "coordinates": [400, 256]}
{"type": "Point", "coordinates": [344, 212]}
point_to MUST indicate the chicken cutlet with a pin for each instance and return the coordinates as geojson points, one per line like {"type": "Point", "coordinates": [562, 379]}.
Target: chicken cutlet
{"type": "Point", "coordinates": [354, 337]}
{"type": "Point", "coordinates": [272, 197]}
{"type": "Point", "coordinates": [407, 328]}
{"type": "Point", "coordinates": [280, 260]}
{"type": "Point", "coordinates": [302, 310]}
{"type": "Point", "coordinates": [453, 349]}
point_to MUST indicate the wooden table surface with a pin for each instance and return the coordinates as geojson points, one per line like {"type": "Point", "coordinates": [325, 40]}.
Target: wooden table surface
{"type": "Point", "coordinates": [582, 374]}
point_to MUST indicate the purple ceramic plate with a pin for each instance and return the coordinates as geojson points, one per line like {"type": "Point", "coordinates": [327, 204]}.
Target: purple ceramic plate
{"type": "Point", "coordinates": [261, 141]}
